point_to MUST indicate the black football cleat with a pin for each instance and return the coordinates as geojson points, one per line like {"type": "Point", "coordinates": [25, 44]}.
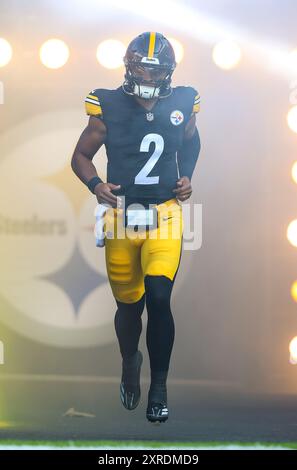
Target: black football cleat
{"type": "Point", "coordinates": [157, 409]}
{"type": "Point", "coordinates": [157, 412]}
{"type": "Point", "coordinates": [130, 383]}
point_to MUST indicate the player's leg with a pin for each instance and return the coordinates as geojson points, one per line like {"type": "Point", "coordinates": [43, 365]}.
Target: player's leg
{"type": "Point", "coordinates": [160, 338]}
{"type": "Point", "coordinates": [127, 284]}
{"type": "Point", "coordinates": [160, 262]}
{"type": "Point", "coordinates": [128, 326]}
{"type": "Point", "coordinates": [126, 281]}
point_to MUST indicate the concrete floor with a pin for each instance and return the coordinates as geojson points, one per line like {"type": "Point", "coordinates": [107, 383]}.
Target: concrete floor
{"type": "Point", "coordinates": [33, 409]}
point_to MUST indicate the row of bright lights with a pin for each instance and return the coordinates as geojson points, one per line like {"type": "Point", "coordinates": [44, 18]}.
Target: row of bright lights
{"type": "Point", "coordinates": [54, 53]}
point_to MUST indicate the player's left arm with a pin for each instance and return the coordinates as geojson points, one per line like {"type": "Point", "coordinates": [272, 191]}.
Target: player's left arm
{"type": "Point", "coordinates": [187, 158]}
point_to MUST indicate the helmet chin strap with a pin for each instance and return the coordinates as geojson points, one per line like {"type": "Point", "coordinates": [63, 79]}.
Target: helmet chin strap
{"type": "Point", "coordinates": [146, 92]}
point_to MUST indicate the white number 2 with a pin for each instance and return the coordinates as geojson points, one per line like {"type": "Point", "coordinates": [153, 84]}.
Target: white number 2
{"type": "Point", "coordinates": [141, 177]}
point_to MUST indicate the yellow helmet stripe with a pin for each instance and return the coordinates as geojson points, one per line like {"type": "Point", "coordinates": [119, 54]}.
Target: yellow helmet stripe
{"type": "Point", "coordinates": [151, 45]}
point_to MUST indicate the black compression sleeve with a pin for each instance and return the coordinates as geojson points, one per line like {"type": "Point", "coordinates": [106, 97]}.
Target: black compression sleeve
{"type": "Point", "coordinates": [187, 156]}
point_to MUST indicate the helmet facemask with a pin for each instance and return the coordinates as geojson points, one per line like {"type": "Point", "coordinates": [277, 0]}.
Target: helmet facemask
{"type": "Point", "coordinates": [157, 86]}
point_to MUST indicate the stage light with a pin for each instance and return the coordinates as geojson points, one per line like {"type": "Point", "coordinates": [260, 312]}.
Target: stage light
{"type": "Point", "coordinates": [54, 53]}
{"type": "Point", "coordinates": [178, 49]}
{"type": "Point", "coordinates": [293, 350]}
{"type": "Point", "coordinates": [292, 232]}
{"type": "Point", "coordinates": [294, 172]}
{"type": "Point", "coordinates": [294, 291]}
{"type": "Point", "coordinates": [292, 119]}
{"type": "Point", "coordinates": [5, 52]}
{"type": "Point", "coordinates": [226, 55]}
{"type": "Point", "coordinates": [110, 53]}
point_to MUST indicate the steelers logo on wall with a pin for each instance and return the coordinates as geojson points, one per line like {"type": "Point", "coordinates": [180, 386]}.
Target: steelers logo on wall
{"type": "Point", "coordinates": [54, 287]}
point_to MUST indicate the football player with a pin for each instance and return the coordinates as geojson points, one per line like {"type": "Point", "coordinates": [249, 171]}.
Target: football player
{"type": "Point", "coordinates": [152, 143]}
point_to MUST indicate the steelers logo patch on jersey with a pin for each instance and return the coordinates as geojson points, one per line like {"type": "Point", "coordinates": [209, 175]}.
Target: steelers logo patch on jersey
{"type": "Point", "coordinates": [176, 117]}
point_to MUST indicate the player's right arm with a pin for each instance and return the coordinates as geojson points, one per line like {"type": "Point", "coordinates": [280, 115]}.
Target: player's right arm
{"type": "Point", "coordinates": [90, 141]}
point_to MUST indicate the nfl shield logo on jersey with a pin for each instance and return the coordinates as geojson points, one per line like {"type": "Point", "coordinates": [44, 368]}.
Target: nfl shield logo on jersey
{"type": "Point", "coordinates": [176, 117]}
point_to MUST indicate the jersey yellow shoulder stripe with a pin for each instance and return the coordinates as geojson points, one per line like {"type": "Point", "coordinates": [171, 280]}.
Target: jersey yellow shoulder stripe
{"type": "Point", "coordinates": [93, 109]}
{"type": "Point", "coordinates": [93, 97]}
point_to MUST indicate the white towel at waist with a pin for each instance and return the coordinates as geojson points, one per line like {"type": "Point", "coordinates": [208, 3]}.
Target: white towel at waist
{"type": "Point", "coordinates": [99, 225]}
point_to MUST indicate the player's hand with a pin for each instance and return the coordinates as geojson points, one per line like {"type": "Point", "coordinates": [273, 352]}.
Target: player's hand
{"type": "Point", "coordinates": [184, 188]}
{"type": "Point", "coordinates": [104, 194]}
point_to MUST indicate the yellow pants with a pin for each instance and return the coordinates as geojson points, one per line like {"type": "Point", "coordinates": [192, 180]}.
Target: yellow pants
{"type": "Point", "coordinates": [130, 255]}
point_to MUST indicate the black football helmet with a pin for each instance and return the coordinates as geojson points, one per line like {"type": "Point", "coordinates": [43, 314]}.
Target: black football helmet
{"type": "Point", "coordinates": [151, 53]}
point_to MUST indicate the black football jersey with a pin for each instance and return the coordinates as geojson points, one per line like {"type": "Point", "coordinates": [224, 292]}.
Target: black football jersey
{"type": "Point", "coordinates": [141, 145]}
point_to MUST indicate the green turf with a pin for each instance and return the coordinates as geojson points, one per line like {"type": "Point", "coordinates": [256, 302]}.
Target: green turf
{"type": "Point", "coordinates": [155, 444]}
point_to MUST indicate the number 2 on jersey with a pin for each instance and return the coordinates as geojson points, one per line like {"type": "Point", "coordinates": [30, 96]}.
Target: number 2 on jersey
{"type": "Point", "coordinates": [141, 177]}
